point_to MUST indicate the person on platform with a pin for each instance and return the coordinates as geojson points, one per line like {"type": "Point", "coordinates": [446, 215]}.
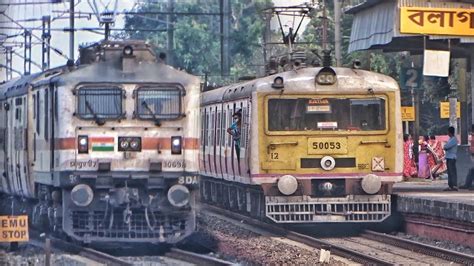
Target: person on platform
{"type": "Point", "coordinates": [470, 175]}
{"type": "Point", "coordinates": [409, 167]}
{"type": "Point", "coordinates": [451, 148]}
{"type": "Point", "coordinates": [436, 157]}
{"type": "Point", "coordinates": [423, 165]}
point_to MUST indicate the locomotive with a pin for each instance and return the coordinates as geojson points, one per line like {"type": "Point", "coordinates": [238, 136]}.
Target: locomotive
{"type": "Point", "coordinates": [106, 147]}
{"type": "Point", "coordinates": [316, 145]}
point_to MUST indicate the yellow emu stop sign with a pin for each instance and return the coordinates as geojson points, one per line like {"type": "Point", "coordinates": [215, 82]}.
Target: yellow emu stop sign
{"type": "Point", "coordinates": [14, 228]}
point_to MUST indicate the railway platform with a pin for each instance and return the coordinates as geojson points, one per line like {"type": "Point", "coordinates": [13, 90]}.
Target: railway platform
{"type": "Point", "coordinates": [429, 211]}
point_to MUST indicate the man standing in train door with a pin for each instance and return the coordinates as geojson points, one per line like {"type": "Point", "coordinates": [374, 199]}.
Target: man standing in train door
{"type": "Point", "coordinates": [234, 130]}
{"type": "Point", "coordinates": [451, 148]}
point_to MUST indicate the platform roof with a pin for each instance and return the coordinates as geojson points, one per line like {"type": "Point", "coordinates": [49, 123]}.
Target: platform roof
{"type": "Point", "coordinates": [376, 26]}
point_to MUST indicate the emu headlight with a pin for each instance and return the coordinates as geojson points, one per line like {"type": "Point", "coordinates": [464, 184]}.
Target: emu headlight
{"type": "Point", "coordinates": [278, 83]}
{"type": "Point", "coordinates": [176, 145]}
{"type": "Point", "coordinates": [287, 184]}
{"type": "Point", "coordinates": [328, 163]}
{"type": "Point", "coordinates": [178, 195]}
{"type": "Point", "coordinates": [326, 76]}
{"type": "Point", "coordinates": [128, 50]}
{"type": "Point", "coordinates": [82, 195]}
{"type": "Point", "coordinates": [371, 184]}
{"type": "Point", "coordinates": [83, 144]}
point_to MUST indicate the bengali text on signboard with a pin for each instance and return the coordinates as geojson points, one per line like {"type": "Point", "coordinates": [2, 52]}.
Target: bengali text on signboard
{"type": "Point", "coordinates": [444, 110]}
{"type": "Point", "coordinates": [408, 113]}
{"type": "Point", "coordinates": [437, 21]}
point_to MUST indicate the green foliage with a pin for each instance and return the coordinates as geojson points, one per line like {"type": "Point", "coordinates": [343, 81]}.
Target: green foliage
{"type": "Point", "coordinates": [197, 47]}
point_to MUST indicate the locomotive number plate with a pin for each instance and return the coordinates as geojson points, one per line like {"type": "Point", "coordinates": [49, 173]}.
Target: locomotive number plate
{"type": "Point", "coordinates": [327, 145]}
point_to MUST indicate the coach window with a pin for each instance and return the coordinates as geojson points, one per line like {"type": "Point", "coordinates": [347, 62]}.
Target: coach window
{"type": "Point", "coordinates": [100, 103]}
{"type": "Point", "coordinates": [159, 102]}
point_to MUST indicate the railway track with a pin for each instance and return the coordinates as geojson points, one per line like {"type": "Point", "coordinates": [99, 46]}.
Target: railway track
{"type": "Point", "coordinates": [107, 259]}
{"type": "Point", "coordinates": [368, 248]}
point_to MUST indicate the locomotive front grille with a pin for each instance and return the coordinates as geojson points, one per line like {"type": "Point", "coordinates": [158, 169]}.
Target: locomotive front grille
{"type": "Point", "coordinates": [92, 226]}
{"type": "Point", "coordinates": [319, 210]}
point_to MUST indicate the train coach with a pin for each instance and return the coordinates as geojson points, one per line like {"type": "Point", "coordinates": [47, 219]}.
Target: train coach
{"type": "Point", "coordinates": [105, 148]}
{"type": "Point", "coordinates": [316, 145]}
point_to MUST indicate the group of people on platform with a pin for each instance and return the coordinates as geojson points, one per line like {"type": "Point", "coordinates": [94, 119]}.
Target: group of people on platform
{"type": "Point", "coordinates": [435, 159]}
{"type": "Point", "coordinates": [431, 157]}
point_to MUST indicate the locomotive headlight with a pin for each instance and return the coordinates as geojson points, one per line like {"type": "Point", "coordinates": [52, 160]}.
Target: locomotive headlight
{"type": "Point", "coordinates": [134, 144]}
{"type": "Point", "coordinates": [371, 183]}
{"type": "Point", "coordinates": [124, 144]}
{"type": "Point", "coordinates": [326, 186]}
{"type": "Point", "coordinates": [287, 184]}
{"type": "Point", "coordinates": [178, 195]}
{"type": "Point", "coordinates": [130, 144]}
{"type": "Point", "coordinates": [83, 144]}
{"type": "Point", "coordinates": [82, 195]}
{"type": "Point", "coordinates": [176, 144]}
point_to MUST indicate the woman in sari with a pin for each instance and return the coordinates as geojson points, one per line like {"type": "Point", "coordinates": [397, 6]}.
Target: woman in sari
{"type": "Point", "coordinates": [423, 154]}
{"type": "Point", "coordinates": [409, 167]}
{"type": "Point", "coordinates": [437, 164]}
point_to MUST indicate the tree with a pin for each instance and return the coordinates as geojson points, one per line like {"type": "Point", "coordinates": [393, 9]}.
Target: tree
{"type": "Point", "coordinates": [196, 37]}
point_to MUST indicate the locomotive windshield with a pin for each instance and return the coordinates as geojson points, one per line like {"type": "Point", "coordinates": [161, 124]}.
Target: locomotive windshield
{"type": "Point", "coordinates": [359, 114]}
{"type": "Point", "coordinates": [158, 103]}
{"type": "Point", "coordinates": [99, 103]}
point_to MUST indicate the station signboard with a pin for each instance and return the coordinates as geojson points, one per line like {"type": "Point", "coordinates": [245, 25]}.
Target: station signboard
{"type": "Point", "coordinates": [408, 113]}
{"type": "Point", "coordinates": [437, 21]}
{"type": "Point", "coordinates": [444, 109]}
{"type": "Point", "coordinates": [14, 228]}
{"type": "Point", "coordinates": [410, 77]}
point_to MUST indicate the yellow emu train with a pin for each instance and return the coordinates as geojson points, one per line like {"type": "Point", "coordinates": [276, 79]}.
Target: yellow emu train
{"type": "Point", "coordinates": [313, 145]}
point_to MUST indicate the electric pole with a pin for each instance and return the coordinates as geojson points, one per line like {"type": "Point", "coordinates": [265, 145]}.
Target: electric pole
{"type": "Point", "coordinates": [46, 36]}
{"type": "Point", "coordinates": [27, 54]}
{"type": "Point", "coordinates": [225, 29]}
{"type": "Point", "coordinates": [325, 27]}
{"type": "Point", "coordinates": [170, 30]}
{"type": "Point", "coordinates": [337, 33]}
{"type": "Point", "coordinates": [71, 30]}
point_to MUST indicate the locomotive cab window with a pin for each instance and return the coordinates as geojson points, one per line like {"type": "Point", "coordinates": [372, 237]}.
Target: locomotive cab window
{"type": "Point", "coordinates": [97, 103]}
{"type": "Point", "coordinates": [158, 103]}
{"type": "Point", "coordinates": [316, 114]}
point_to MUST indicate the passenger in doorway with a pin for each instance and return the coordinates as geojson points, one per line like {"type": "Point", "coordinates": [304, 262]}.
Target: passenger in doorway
{"type": "Point", "coordinates": [451, 148]}
{"type": "Point", "coordinates": [235, 131]}
{"type": "Point", "coordinates": [409, 166]}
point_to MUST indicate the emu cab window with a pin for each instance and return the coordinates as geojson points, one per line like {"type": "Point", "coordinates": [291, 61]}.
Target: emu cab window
{"type": "Point", "coordinates": [96, 102]}
{"type": "Point", "coordinates": [158, 103]}
{"type": "Point", "coordinates": [341, 114]}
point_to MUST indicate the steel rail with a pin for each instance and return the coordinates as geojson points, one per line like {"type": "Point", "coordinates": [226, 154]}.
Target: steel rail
{"type": "Point", "coordinates": [310, 241]}
{"type": "Point", "coordinates": [441, 253]}
{"type": "Point", "coordinates": [195, 258]}
{"type": "Point", "coordinates": [70, 248]}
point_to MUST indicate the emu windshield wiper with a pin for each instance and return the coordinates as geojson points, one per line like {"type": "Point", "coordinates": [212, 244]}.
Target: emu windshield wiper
{"type": "Point", "coordinates": [99, 121]}
{"type": "Point", "coordinates": [157, 121]}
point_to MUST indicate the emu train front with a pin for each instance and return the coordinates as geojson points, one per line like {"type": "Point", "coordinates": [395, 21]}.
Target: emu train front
{"type": "Point", "coordinates": [106, 148]}
{"type": "Point", "coordinates": [317, 145]}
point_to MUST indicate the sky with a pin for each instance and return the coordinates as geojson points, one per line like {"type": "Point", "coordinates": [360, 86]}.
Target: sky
{"type": "Point", "coordinates": [60, 15]}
